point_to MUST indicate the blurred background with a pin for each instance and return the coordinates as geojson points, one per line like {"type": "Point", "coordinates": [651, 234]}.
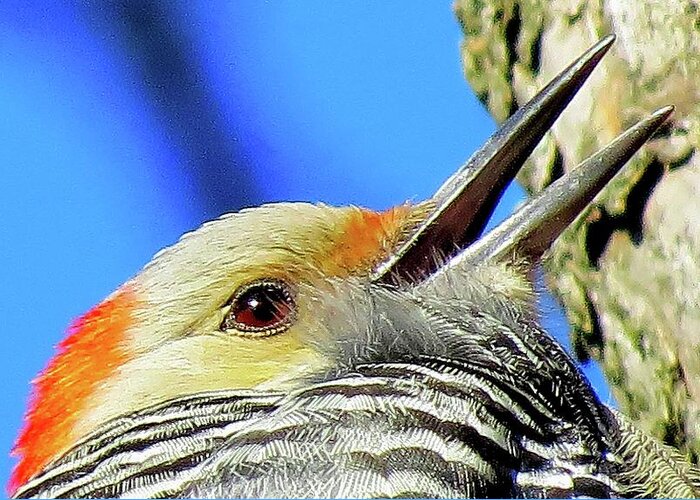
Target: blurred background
{"type": "Point", "coordinates": [125, 124]}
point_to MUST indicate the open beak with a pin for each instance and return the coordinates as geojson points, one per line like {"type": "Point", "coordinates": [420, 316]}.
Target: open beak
{"type": "Point", "coordinates": [464, 203]}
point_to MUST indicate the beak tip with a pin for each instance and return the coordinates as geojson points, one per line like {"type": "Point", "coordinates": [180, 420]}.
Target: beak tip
{"type": "Point", "coordinates": [664, 112]}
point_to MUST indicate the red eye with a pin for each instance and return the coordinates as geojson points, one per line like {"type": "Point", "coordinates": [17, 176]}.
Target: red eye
{"type": "Point", "coordinates": [261, 309]}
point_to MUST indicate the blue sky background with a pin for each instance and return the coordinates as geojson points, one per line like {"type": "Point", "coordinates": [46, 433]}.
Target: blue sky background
{"type": "Point", "coordinates": [123, 126]}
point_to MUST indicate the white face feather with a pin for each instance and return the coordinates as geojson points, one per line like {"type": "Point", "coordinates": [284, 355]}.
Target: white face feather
{"type": "Point", "coordinates": [185, 283]}
{"type": "Point", "coordinates": [178, 343]}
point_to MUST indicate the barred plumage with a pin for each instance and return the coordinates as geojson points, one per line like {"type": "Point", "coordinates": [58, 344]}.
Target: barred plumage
{"type": "Point", "coordinates": [128, 455]}
{"type": "Point", "coordinates": [389, 430]}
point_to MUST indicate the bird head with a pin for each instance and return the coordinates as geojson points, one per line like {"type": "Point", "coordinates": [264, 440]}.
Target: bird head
{"type": "Point", "coordinates": [253, 300]}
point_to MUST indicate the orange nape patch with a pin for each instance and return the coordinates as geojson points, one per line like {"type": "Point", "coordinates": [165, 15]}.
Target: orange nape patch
{"type": "Point", "coordinates": [369, 236]}
{"type": "Point", "coordinates": [93, 349]}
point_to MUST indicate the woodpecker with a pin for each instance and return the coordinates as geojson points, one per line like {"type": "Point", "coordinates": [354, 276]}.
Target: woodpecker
{"type": "Point", "coordinates": [305, 350]}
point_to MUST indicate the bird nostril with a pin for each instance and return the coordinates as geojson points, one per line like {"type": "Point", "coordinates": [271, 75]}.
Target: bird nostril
{"type": "Point", "coordinates": [261, 308]}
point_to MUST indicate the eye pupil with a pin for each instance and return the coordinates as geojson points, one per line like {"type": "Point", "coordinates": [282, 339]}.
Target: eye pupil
{"type": "Point", "coordinates": [261, 308]}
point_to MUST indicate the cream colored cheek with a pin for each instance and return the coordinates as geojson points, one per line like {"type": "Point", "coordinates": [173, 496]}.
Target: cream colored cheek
{"type": "Point", "coordinates": [200, 363]}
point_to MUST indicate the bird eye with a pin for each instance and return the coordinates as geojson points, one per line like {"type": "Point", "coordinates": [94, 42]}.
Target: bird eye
{"type": "Point", "coordinates": [261, 309]}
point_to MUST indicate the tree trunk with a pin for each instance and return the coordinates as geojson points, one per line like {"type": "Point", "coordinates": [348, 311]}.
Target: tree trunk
{"type": "Point", "coordinates": [628, 272]}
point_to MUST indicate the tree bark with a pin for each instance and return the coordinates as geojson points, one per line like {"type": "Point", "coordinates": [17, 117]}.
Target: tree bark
{"type": "Point", "coordinates": [628, 271]}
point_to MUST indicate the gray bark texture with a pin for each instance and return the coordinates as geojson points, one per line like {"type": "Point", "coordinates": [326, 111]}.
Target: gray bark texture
{"type": "Point", "coordinates": [628, 272]}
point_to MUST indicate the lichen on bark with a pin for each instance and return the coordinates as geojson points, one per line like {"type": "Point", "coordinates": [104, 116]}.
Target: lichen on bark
{"type": "Point", "coordinates": [628, 271]}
